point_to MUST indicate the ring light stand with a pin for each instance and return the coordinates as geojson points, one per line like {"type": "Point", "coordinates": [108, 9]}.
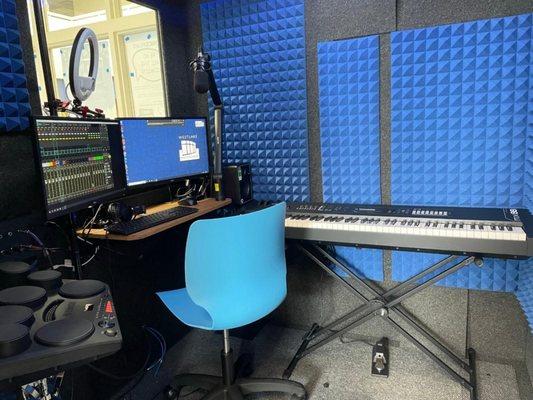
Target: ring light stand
{"type": "Point", "coordinates": [83, 86]}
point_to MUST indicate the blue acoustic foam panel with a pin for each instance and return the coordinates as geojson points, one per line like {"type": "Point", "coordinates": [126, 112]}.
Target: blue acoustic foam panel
{"type": "Point", "coordinates": [525, 290]}
{"type": "Point", "coordinates": [258, 52]}
{"type": "Point", "coordinates": [460, 98]}
{"type": "Point", "coordinates": [525, 278]}
{"type": "Point", "coordinates": [14, 97]}
{"type": "Point", "coordinates": [348, 79]}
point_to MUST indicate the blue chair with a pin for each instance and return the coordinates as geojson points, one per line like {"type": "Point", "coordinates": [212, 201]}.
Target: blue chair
{"type": "Point", "coordinates": [235, 274]}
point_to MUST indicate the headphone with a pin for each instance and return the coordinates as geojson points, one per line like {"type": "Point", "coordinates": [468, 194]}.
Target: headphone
{"type": "Point", "coordinates": [120, 212]}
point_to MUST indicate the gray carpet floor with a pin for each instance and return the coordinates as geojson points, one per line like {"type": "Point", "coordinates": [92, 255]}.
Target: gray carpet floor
{"type": "Point", "coordinates": [338, 371]}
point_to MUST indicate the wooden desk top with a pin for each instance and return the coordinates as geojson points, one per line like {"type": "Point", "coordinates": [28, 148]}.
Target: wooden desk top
{"type": "Point", "coordinates": [204, 207]}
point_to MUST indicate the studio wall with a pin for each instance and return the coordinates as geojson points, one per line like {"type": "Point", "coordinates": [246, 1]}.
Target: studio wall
{"type": "Point", "coordinates": [421, 147]}
{"type": "Point", "coordinates": [21, 196]}
{"type": "Point", "coordinates": [258, 51]}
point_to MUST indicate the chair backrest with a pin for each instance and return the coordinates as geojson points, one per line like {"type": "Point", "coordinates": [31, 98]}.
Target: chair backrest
{"type": "Point", "coordinates": [235, 267]}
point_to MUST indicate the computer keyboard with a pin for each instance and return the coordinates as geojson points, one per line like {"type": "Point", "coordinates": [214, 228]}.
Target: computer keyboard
{"type": "Point", "coordinates": [148, 221]}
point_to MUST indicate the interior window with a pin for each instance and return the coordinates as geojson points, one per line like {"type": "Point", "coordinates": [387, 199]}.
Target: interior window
{"type": "Point", "coordinates": [130, 80]}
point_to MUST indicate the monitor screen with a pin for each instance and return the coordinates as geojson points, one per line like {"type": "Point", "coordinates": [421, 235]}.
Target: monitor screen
{"type": "Point", "coordinates": [78, 161]}
{"type": "Point", "coordinates": [164, 149]}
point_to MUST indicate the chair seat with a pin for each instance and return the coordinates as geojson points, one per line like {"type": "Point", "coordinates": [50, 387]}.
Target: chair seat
{"type": "Point", "coordinates": [187, 311]}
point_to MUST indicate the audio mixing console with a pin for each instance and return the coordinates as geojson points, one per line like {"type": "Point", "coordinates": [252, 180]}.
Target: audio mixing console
{"type": "Point", "coordinates": [75, 160]}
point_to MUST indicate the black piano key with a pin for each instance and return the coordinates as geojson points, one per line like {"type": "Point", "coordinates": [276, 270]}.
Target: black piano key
{"type": "Point", "coordinates": [417, 223]}
{"type": "Point", "coordinates": [393, 222]}
{"type": "Point", "coordinates": [454, 225]}
{"type": "Point", "coordinates": [493, 227]}
{"type": "Point", "coordinates": [410, 223]}
{"type": "Point", "coordinates": [472, 226]}
{"type": "Point", "coordinates": [461, 226]}
{"type": "Point", "coordinates": [428, 223]}
{"type": "Point", "coordinates": [435, 224]}
{"type": "Point", "coordinates": [446, 225]}
{"type": "Point", "coordinates": [500, 227]}
{"type": "Point", "coordinates": [403, 222]}
{"type": "Point", "coordinates": [481, 227]}
{"type": "Point", "coordinates": [509, 228]}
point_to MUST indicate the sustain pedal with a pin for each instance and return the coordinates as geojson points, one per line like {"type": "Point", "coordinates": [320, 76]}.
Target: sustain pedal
{"type": "Point", "coordinates": [380, 358]}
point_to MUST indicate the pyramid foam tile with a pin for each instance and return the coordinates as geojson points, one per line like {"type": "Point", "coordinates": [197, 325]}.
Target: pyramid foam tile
{"type": "Point", "coordinates": [258, 52]}
{"type": "Point", "coordinates": [460, 99]}
{"type": "Point", "coordinates": [525, 290]}
{"type": "Point", "coordinates": [525, 280]}
{"type": "Point", "coordinates": [348, 79]}
{"type": "Point", "coordinates": [14, 106]}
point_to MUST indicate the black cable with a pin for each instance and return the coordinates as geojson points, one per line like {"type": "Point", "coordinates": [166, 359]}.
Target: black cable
{"type": "Point", "coordinates": [110, 267]}
{"type": "Point", "coordinates": [142, 370]}
{"type": "Point", "coordinates": [65, 236]}
{"type": "Point", "coordinates": [127, 391]}
{"type": "Point", "coordinates": [39, 242]}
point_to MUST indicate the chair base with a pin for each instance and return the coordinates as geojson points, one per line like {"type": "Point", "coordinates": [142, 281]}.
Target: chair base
{"type": "Point", "coordinates": [229, 388]}
{"type": "Point", "coordinates": [235, 391]}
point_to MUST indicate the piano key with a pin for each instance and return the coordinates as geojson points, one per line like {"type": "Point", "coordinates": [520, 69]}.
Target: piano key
{"type": "Point", "coordinates": [504, 230]}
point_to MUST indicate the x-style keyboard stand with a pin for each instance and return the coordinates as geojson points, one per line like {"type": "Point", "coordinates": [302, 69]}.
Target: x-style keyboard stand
{"type": "Point", "coordinates": [388, 306]}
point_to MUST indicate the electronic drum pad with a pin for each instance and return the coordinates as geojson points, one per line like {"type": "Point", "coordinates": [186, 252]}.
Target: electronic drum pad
{"type": "Point", "coordinates": [48, 324]}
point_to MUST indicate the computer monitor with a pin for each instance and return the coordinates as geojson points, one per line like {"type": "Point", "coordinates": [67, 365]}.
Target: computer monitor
{"type": "Point", "coordinates": [162, 150]}
{"type": "Point", "coordinates": [79, 161]}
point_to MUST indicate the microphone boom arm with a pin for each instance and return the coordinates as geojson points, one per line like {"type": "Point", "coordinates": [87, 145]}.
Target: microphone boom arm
{"type": "Point", "coordinates": [219, 127]}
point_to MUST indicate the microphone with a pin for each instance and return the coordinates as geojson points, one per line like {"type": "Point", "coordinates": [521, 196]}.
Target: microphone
{"type": "Point", "coordinates": [200, 66]}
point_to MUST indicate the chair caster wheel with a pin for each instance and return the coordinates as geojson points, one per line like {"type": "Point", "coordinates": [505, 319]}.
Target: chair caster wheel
{"type": "Point", "coordinates": [171, 393]}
